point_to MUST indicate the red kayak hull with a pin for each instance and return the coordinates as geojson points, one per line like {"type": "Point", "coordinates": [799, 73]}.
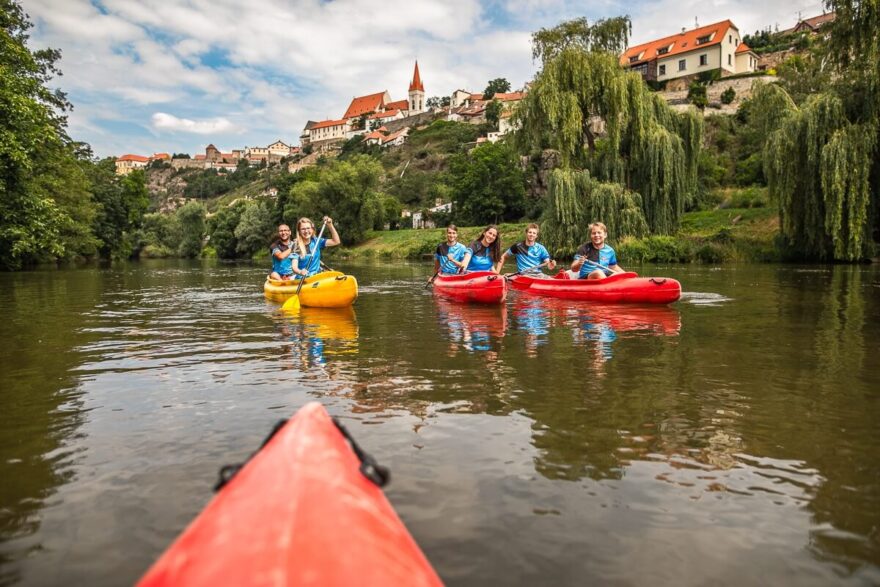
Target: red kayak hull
{"type": "Point", "coordinates": [481, 287]}
{"type": "Point", "coordinates": [615, 289]}
{"type": "Point", "coordinates": [299, 513]}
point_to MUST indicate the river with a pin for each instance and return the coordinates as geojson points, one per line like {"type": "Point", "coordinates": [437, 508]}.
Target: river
{"type": "Point", "coordinates": [728, 439]}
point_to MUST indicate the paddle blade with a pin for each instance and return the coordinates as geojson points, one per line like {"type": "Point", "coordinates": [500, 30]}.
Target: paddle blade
{"type": "Point", "coordinates": [291, 305]}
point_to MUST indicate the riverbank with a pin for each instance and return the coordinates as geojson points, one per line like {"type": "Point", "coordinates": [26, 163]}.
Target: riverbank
{"type": "Point", "coordinates": [711, 236]}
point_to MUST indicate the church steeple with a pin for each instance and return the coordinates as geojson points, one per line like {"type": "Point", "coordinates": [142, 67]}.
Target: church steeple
{"type": "Point", "coordinates": [416, 92]}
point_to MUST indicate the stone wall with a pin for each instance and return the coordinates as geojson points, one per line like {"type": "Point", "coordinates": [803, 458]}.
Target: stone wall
{"type": "Point", "coordinates": [742, 86]}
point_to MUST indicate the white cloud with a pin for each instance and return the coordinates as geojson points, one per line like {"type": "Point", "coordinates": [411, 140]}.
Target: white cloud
{"type": "Point", "coordinates": [163, 121]}
{"type": "Point", "coordinates": [256, 72]}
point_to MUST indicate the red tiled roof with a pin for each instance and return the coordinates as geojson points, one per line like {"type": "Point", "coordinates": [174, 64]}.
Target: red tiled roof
{"type": "Point", "coordinates": [130, 157]}
{"type": "Point", "coordinates": [398, 105]}
{"type": "Point", "coordinates": [199, 157]}
{"type": "Point", "coordinates": [385, 114]}
{"type": "Point", "coordinates": [680, 43]}
{"type": "Point", "coordinates": [374, 135]}
{"type": "Point", "coordinates": [328, 123]}
{"type": "Point", "coordinates": [476, 96]}
{"type": "Point", "coordinates": [416, 83]}
{"type": "Point", "coordinates": [393, 136]}
{"type": "Point", "coordinates": [509, 97]}
{"type": "Point", "coordinates": [743, 48]}
{"type": "Point", "coordinates": [161, 156]}
{"type": "Point", "coordinates": [364, 104]}
{"type": "Point", "coordinates": [382, 128]}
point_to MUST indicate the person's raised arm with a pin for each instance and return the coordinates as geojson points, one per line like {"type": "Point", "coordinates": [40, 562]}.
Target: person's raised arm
{"type": "Point", "coordinates": [334, 240]}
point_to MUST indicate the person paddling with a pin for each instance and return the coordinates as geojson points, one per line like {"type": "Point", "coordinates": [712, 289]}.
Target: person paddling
{"type": "Point", "coordinates": [484, 254]}
{"type": "Point", "coordinates": [284, 256]}
{"type": "Point", "coordinates": [448, 257]}
{"type": "Point", "coordinates": [530, 254]}
{"type": "Point", "coordinates": [309, 247]}
{"type": "Point", "coordinates": [595, 259]}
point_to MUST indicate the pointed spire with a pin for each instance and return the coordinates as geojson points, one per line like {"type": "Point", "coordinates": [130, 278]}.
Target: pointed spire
{"type": "Point", "coordinates": [416, 83]}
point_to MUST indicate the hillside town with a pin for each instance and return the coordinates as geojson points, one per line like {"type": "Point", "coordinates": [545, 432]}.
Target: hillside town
{"type": "Point", "coordinates": [671, 63]}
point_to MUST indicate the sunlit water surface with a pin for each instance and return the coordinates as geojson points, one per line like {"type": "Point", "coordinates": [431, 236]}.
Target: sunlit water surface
{"type": "Point", "coordinates": [728, 439]}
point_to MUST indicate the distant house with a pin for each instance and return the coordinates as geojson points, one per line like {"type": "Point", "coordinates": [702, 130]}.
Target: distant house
{"type": "Point", "coordinates": [812, 25]}
{"type": "Point", "coordinates": [712, 47]}
{"type": "Point", "coordinates": [328, 129]}
{"type": "Point", "coordinates": [128, 163]}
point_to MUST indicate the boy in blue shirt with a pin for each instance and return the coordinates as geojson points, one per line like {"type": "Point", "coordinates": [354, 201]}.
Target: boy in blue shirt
{"type": "Point", "coordinates": [529, 254]}
{"type": "Point", "coordinates": [449, 255]}
{"type": "Point", "coordinates": [595, 259]}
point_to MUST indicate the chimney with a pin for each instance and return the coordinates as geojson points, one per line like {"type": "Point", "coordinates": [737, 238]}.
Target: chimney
{"type": "Point", "coordinates": [683, 29]}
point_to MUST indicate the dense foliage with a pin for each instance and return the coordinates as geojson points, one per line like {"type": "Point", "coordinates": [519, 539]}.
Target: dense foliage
{"type": "Point", "coordinates": [488, 185]}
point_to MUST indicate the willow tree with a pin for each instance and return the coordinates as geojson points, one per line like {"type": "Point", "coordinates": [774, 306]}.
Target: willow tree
{"type": "Point", "coordinates": [821, 158]}
{"type": "Point", "coordinates": [603, 119]}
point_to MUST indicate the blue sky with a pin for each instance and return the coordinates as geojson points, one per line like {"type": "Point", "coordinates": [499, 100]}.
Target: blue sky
{"type": "Point", "coordinates": [149, 76]}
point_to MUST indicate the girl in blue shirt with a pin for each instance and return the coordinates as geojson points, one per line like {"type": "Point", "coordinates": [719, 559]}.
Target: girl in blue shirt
{"type": "Point", "coordinates": [484, 254]}
{"type": "Point", "coordinates": [309, 247]}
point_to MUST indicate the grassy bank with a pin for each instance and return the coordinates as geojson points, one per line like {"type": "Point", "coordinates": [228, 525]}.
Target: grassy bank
{"type": "Point", "coordinates": [711, 236]}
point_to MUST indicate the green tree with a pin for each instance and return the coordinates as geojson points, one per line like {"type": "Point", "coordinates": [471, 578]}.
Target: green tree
{"type": "Point", "coordinates": [493, 113]}
{"type": "Point", "coordinates": [499, 85]}
{"type": "Point", "coordinates": [221, 228]}
{"type": "Point", "coordinates": [487, 185]}
{"type": "Point", "coordinates": [697, 95]}
{"type": "Point", "coordinates": [159, 236]}
{"type": "Point", "coordinates": [191, 218]}
{"type": "Point", "coordinates": [255, 228]}
{"type": "Point", "coordinates": [728, 95]}
{"type": "Point", "coordinates": [607, 35]}
{"type": "Point", "coordinates": [601, 118]}
{"type": "Point", "coordinates": [347, 190]}
{"type": "Point", "coordinates": [32, 132]}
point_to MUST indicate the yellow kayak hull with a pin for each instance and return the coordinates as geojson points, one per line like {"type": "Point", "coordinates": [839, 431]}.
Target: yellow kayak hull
{"type": "Point", "coordinates": [330, 289]}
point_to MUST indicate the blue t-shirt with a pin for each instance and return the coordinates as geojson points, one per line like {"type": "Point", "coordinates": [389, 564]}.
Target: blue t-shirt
{"type": "Point", "coordinates": [604, 256]}
{"type": "Point", "coordinates": [458, 251]}
{"type": "Point", "coordinates": [528, 257]}
{"type": "Point", "coordinates": [480, 259]}
{"type": "Point", "coordinates": [312, 260]}
{"type": "Point", "coordinates": [283, 266]}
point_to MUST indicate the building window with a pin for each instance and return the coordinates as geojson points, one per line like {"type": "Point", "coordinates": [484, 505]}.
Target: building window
{"type": "Point", "coordinates": [704, 59]}
{"type": "Point", "coordinates": [662, 70]}
{"type": "Point", "coordinates": [730, 39]}
{"type": "Point", "coordinates": [705, 39]}
{"type": "Point", "coordinates": [729, 59]}
{"type": "Point", "coordinates": [682, 64]}
{"type": "Point", "coordinates": [662, 50]}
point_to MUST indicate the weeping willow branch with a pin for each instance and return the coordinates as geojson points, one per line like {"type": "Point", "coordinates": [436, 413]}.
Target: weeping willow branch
{"type": "Point", "coordinates": [604, 119]}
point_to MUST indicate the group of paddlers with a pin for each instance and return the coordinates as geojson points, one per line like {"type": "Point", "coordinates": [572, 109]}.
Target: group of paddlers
{"type": "Point", "coordinates": [594, 259]}
{"type": "Point", "coordinates": [299, 256]}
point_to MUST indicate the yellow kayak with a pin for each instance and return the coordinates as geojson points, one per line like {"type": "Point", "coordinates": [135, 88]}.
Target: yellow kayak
{"type": "Point", "coordinates": [330, 289]}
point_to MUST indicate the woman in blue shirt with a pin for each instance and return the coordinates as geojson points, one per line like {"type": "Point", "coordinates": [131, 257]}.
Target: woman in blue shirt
{"type": "Point", "coordinates": [484, 254]}
{"type": "Point", "coordinates": [309, 246]}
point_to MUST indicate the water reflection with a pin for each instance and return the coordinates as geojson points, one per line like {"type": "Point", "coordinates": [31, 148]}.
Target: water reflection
{"type": "Point", "coordinates": [313, 334]}
{"type": "Point", "coordinates": [472, 328]}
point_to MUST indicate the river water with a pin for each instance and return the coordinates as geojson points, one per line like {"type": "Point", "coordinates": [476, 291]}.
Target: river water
{"type": "Point", "coordinates": [728, 439]}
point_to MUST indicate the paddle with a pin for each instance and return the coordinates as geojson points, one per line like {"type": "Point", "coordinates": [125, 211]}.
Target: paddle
{"type": "Point", "coordinates": [535, 268]}
{"type": "Point", "coordinates": [431, 281]}
{"type": "Point", "coordinates": [605, 269]}
{"type": "Point", "coordinates": [292, 304]}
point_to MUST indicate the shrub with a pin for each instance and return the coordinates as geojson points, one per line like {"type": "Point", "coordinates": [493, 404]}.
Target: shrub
{"type": "Point", "coordinates": [710, 253]}
{"type": "Point", "coordinates": [728, 95]}
{"type": "Point", "coordinates": [697, 95]}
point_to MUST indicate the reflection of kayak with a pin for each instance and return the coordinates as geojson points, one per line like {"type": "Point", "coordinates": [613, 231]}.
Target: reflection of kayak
{"type": "Point", "coordinates": [330, 323]}
{"type": "Point", "coordinates": [620, 287]}
{"type": "Point", "coordinates": [330, 289]}
{"type": "Point", "coordinates": [491, 320]}
{"type": "Point", "coordinates": [484, 287]}
{"type": "Point", "coordinates": [659, 319]}
{"type": "Point", "coordinates": [300, 512]}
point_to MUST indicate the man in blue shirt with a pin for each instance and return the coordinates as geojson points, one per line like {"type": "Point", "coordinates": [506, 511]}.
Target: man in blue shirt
{"type": "Point", "coordinates": [595, 259]}
{"type": "Point", "coordinates": [530, 254]}
{"type": "Point", "coordinates": [449, 255]}
{"type": "Point", "coordinates": [284, 256]}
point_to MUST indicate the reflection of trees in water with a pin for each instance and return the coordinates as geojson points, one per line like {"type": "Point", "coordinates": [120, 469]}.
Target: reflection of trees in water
{"type": "Point", "coordinates": [41, 410]}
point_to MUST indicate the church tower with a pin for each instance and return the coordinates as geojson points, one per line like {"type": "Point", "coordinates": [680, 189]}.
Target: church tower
{"type": "Point", "coordinates": [416, 93]}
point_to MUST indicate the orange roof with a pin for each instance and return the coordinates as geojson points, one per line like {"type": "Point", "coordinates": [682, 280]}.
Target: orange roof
{"type": "Point", "coordinates": [398, 105]}
{"type": "Point", "coordinates": [476, 96]}
{"type": "Point", "coordinates": [364, 104]}
{"type": "Point", "coordinates": [743, 48]}
{"type": "Point", "coordinates": [199, 157]}
{"type": "Point", "coordinates": [374, 135]}
{"type": "Point", "coordinates": [416, 83]}
{"type": "Point", "coordinates": [676, 44]}
{"type": "Point", "coordinates": [382, 128]}
{"type": "Point", "coordinates": [130, 157]}
{"type": "Point", "coordinates": [509, 97]}
{"type": "Point", "coordinates": [394, 135]}
{"type": "Point", "coordinates": [385, 114]}
{"type": "Point", "coordinates": [327, 123]}
{"type": "Point", "coordinates": [161, 156]}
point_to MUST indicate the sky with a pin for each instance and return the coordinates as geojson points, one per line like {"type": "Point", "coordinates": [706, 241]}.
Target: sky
{"type": "Point", "coordinates": [149, 76]}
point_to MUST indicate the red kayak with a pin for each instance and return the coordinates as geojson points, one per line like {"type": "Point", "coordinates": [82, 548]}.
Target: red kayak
{"type": "Point", "coordinates": [300, 512]}
{"type": "Point", "coordinates": [482, 287]}
{"type": "Point", "coordinates": [618, 288]}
